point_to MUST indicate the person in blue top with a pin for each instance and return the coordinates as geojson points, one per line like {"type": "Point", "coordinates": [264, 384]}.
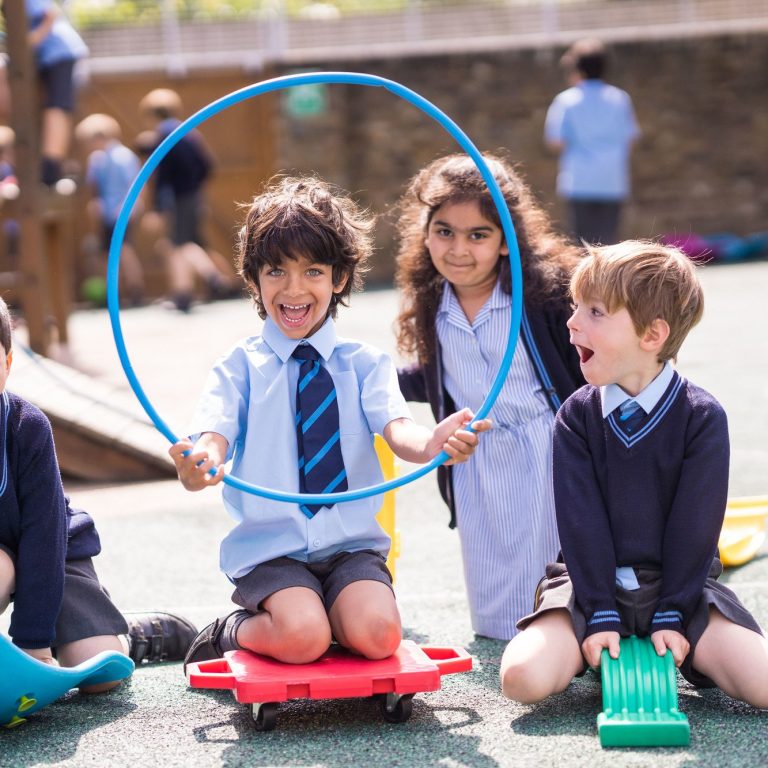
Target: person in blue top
{"type": "Point", "coordinates": [592, 125]}
{"type": "Point", "coordinates": [57, 48]}
{"type": "Point", "coordinates": [304, 574]}
{"type": "Point", "coordinates": [111, 169]}
{"type": "Point", "coordinates": [61, 612]}
{"type": "Point", "coordinates": [641, 482]}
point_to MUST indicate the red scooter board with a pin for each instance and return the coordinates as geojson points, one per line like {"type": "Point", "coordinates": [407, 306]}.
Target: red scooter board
{"type": "Point", "coordinates": [262, 681]}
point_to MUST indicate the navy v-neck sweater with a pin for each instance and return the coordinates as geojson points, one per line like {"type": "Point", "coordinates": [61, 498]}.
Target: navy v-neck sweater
{"type": "Point", "coordinates": [653, 499]}
{"type": "Point", "coordinates": [36, 523]}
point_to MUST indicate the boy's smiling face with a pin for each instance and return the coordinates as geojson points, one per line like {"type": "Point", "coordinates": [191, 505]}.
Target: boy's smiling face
{"type": "Point", "coordinates": [297, 294]}
{"type": "Point", "coordinates": [610, 350]}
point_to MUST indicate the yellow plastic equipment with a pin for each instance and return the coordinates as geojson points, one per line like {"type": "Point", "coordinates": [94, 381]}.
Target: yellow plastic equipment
{"type": "Point", "coordinates": [744, 529]}
{"type": "Point", "coordinates": [386, 515]}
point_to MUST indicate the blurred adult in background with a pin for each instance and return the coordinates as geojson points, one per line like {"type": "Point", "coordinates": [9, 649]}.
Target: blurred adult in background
{"type": "Point", "coordinates": [592, 125]}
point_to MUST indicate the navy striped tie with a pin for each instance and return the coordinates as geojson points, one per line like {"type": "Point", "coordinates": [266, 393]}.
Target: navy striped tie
{"type": "Point", "coordinates": [630, 415]}
{"type": "Point", "coordinates": [321, 465]}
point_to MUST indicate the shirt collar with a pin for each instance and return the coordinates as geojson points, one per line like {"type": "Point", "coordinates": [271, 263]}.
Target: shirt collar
{"type": "Point", "coordinates": [612, 395]}
{"type": "Point", "coordinates": [449, 301]}
{"type": "Point", "coordinates": [323, 340]}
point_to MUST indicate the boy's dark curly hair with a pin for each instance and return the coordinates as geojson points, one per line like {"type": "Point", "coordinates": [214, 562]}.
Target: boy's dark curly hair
{"type": "Point", "coordinates": [547, 258]}
{"type": "Point", "coordinates": [295, 217]}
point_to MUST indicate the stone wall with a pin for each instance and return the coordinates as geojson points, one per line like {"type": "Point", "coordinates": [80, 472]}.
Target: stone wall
{"type": "Point", "coordinates": [702, 104]}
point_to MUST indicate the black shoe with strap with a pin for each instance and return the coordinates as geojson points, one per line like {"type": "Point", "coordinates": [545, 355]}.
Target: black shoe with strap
{"type": "Point", "coordinates": [218, 637]}
{"type": "Point", "coordinates": [159, 636]}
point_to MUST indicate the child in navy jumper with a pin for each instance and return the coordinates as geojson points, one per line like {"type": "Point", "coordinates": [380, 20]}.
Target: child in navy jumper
{"type": "Point", "coordinates": [641, 480]}
{"type": "Point", "coordinates": [60, 610]}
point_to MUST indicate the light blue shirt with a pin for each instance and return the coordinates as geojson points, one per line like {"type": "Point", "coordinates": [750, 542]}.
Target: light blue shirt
{"type": "Point", "coordinates": [112, 171]}
{"type": "Point", "coordinates": [250, 399]}
{"type": "Point", "coordinates": [596, 124]}
{"type": "Point", "coordinates": [612, 395]}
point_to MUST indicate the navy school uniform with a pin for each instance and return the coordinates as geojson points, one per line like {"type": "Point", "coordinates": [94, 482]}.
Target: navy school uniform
{"type": "Point", "coordinates": [57, 597]}
{"type": "Point", "coordinates": [651, 499]}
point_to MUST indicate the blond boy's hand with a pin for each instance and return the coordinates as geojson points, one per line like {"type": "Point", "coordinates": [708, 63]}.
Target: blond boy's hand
{"type": "Point", "coordinates": [670, 639]}
{"type": "Point", "coordinates": [592, 647]}
{"type": "Point", "coordinates": [193, 465]}
{"type": "Point", "coordinates": [451, 436]}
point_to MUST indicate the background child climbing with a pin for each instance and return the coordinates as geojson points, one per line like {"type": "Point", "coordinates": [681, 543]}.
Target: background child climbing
{"type": "Point", "coordinates": [641, 481]}
{"type": "Point", "coordinates": [453, 271]}
{"type": "Point", "coordinates": [305, 573]}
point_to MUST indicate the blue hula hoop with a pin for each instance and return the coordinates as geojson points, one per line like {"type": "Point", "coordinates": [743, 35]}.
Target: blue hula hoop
{"type": "Point", "coordinates": [277, 84]}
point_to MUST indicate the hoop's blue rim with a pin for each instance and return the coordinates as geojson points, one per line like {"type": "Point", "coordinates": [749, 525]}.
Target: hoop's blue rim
{"type": "Point", "coordinates": [276, 84]}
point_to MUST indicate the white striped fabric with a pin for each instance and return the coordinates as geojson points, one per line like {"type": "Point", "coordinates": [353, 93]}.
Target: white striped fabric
{"type": "Point", "coordinates": [504, 498]}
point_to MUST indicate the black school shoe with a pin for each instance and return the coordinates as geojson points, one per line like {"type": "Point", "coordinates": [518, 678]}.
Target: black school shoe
{"type": "Point", "coordinates": [159, 636]}
{"type": "Point", "coordinates": [208, 643]}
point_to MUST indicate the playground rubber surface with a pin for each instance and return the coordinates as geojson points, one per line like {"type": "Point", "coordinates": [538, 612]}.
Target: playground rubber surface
{"type": "Point", "coordinates": [160, 552]}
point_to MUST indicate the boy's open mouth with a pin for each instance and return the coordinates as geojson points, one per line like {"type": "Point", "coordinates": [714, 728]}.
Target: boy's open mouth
{"type": "Point", "coordinates": [584, 353]}
{"type": "Point", "coordinates": [294, 314]}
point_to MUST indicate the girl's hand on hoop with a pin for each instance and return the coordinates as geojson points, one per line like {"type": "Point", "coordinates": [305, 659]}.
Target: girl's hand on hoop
{"type": "Point", "coordinates": [194, 462]}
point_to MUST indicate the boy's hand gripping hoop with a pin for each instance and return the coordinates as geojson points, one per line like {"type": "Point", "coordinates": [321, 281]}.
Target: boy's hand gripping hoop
{"type": "Point", "coordinates": [276, 84]}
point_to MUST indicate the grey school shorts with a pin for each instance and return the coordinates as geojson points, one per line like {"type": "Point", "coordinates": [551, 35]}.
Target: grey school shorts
{"type": "Point", "coordinates": [326, 578]}
{"type": "Point", "coordinates": [86, 608]}
{"type": "Point", "coordinates": [636, 608]}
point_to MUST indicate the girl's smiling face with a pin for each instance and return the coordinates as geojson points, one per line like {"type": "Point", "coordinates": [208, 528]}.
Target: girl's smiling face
{"type": "Point", "coordinates": [297, 294]}
{"type": "Point", "coordinates": [465, 247]}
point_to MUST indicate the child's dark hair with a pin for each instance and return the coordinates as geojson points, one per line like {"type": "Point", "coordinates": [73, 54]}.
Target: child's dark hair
{"type": "Point", "coordinates": [5, 326]}
{"type": "Point", "coordinates": [296, 217]}
{"type": "Point", "coordinates": [587, 57]}
{"type": "Point", "coordinates": [547, 258]}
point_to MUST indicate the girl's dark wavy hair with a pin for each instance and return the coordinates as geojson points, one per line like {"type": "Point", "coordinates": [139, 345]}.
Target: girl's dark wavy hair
{"type": "Point", "coordinates": [308, 217]}
{"type": "Point", "coordinates": [547, 258]}
{"type": "Point", "coordinates": [6, 337]}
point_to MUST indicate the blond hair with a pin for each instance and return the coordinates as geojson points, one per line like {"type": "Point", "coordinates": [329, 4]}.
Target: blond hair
{"type": "Point", "coordinates": [651, 281]}
{"type": "Point", "coordinates": [97, 126]}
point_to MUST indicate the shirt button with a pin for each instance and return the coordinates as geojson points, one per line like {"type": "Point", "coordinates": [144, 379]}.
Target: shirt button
{"type": "Point", "coordinates": [316, 543]}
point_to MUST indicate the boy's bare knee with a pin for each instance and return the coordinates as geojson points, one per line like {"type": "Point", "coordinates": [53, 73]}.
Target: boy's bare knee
{"type": "Point", "coordinates": [374, 637]}
{"type": "Point", "coordinates": [300, 641]}
{"type": "Point", "coordinates": [520, 682]}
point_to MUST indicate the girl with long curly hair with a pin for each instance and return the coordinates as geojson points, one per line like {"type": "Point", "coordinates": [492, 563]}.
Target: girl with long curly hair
{"type": "Point", "coordinates": [454, 275]}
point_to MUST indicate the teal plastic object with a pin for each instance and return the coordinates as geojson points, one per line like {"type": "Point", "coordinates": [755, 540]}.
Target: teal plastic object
{"type": "Point", "coordinates": [640, 699]}
{"type": "Point", "coordinates": [27, 685]}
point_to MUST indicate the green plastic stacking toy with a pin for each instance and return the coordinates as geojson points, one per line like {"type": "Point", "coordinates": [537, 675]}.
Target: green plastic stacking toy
{"type": "Point", "coordinates": [640, 699]}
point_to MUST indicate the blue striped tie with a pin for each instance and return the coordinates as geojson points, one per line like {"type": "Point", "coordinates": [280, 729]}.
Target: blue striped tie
{"type": "Point", "coordinates": [630, 415]}
{"type": "Point", "coordinates": [321, 465]}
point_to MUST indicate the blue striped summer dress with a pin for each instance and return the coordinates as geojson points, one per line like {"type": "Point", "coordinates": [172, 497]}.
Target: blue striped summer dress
{"type": "Point", "coordinates": [504, 499]}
